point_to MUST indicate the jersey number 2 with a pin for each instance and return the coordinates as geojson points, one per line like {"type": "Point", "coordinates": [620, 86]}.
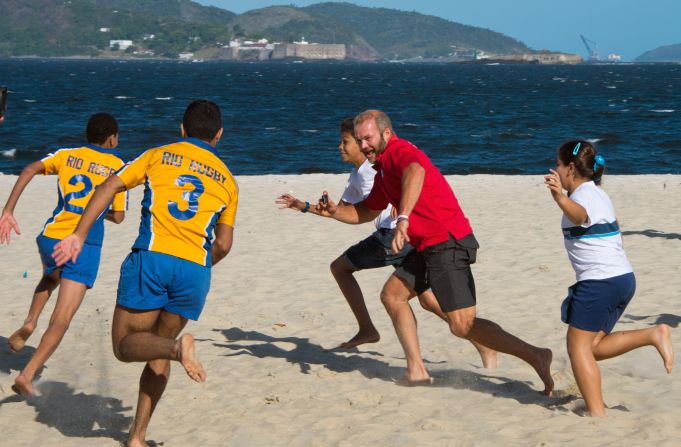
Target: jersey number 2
{"type": "Point", "coordinates": [191, 197]}
{"type": "Point", "coordinates": [87, 187]}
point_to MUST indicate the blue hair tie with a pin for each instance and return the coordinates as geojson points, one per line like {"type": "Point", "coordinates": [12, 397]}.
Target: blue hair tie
{"type": "Point", "coordinates": [575, 151]}
{"type": "Point", "coordinates": [598, 161]}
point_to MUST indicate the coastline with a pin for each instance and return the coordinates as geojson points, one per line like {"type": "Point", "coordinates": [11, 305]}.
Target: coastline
{"type": "Point", "coordinates": [274, 314]}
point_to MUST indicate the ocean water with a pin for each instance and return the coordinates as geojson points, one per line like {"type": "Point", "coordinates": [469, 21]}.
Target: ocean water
{"type": "Point", "coordinates": [282, 118]}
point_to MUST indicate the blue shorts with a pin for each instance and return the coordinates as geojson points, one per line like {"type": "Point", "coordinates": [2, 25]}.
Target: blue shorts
{"type": "Point", "coordinates": [596, 304]}
{"type": "Point", "coordinates": [376, 251]}
{"type": "Point", "coordinates": [151, 280]}
{"type": "Point", "coordinates": [83, 271]}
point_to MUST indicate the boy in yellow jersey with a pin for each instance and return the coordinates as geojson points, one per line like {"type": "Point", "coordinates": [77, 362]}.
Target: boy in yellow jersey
{"type": "Point", "coordinates": [80, 170]}
{"type": "Point", "coordinates": [189, 194]}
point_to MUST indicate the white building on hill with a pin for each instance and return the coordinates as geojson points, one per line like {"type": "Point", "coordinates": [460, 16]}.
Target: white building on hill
{"type": "Point", "coordinates": [122, 44]}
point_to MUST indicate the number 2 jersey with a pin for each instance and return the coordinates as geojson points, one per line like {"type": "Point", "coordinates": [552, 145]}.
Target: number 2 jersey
{"type": "Point", "coordinates": [80, 170]}
{"type": "Point", "coordinates": [188, 190]}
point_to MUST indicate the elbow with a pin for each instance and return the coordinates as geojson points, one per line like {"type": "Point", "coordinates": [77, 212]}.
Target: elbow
{"type": "Point", "coordinates": [115, 216]}
{"type": "Point", "coordinates": [222, 248]}
{"type": "Point", "coordinates": [33, 169]}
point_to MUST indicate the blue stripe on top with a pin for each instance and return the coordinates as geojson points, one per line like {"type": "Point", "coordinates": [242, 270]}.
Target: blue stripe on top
{"type": "Point", "coordinates": [145, 237]}
{"type": "Point", "coordinates": [598, 230]}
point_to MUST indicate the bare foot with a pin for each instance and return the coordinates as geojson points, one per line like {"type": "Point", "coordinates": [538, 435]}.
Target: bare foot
{"type": "Point", "coordinates": [663, 343]}
{"type": "Point", "coordinates": [543, 368]}
{"type": "Point", "coordinates": [361, 338]}
{"type": "Point", "coordinates": [188, 358]}
{"type": "Point", "coordinates": [22, 386]}
{"type": "Point", "coordinates": [136, 443]}
{"type": "Point", "coordinates": [17, 340]}
{"type": "Point", "coordinates": [405, 381]}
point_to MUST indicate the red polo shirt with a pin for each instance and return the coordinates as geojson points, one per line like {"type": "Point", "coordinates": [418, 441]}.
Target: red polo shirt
{"type": "Point", "coordinates": [436, 214]}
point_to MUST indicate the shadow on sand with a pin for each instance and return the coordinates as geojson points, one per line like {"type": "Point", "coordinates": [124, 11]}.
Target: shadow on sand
{"type": "Point", "coordinates": [77, 415]}
{"type": "Point", "coordinates": [670, 320]}
{"type": "Point", "coordinates": [11, 363]}
{"type": "Point", "coordinates": [305, 354]}
{"type": "Point", "coordinates": [652, 233]}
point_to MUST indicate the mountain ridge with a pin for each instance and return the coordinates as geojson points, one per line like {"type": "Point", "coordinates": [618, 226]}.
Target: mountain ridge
{"type": "Point", "coordinates": [165, 28]}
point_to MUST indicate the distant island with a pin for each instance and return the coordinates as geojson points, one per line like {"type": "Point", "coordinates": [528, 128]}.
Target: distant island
{"type": "Point", "coordinates": [182, 29]}
{"type": "Point", "coordinates": [669, 53]}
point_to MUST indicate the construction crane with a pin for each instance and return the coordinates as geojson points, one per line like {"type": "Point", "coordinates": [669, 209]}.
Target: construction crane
{"type": "Point", "coordinates": [593, 52]}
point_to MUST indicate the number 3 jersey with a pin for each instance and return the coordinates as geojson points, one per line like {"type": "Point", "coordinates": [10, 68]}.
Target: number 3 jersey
{"type": "Point", "coordinates": [188, 190]}
{"type": "Point", "coordinates": [80, 170]}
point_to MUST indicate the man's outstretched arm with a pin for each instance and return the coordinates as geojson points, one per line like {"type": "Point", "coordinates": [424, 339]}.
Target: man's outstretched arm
{"type": "Point", "coordinates": [342, 212]}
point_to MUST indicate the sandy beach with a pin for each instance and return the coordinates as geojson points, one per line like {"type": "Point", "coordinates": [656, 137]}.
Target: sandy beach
{"type": "Point", "coordinates": [274, 315]}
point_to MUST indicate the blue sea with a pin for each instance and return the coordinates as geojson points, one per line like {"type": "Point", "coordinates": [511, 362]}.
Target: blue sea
{"type": "Point", "coordinates": [282, 118]}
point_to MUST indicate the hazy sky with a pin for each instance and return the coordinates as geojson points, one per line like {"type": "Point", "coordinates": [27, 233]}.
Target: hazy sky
{"type": "Point", "coordinates": [626, 27]}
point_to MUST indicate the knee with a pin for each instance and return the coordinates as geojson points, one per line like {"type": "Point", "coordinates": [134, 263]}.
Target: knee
{"type": "Point", "coordinates": [338, 267]}
{"type": "Point", "coordinates": [576, 350]}
{"type": "Point", "coordinates": [424, 304]}
{"type": "Point", "coordinates": [119, 351]}
{"type": "Point", "coordinates": [461, 328]}
{"type": "Point", "coordinates": [388, 299]}
{"type": "Point", "coordinates": [60, 324]}
{"type": "Point", "coordinates": [52, 282]}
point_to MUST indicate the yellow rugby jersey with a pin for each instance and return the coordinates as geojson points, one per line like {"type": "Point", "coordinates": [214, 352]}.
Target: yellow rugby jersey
{"type": "Point", "coordinates": [188, 190]}
{"type": "Point", "coordinates": [80, 170]}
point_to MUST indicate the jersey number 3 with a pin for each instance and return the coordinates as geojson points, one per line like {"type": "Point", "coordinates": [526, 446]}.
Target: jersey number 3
{"type": "Point", "coordinates": [191, 197]}
{"type": "Point", "coordinates": [87, 187]}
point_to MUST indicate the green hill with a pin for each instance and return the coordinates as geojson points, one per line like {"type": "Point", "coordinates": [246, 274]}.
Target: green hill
{"type": "Point", "coordinates": [669, 53]}
{"type": "Point", "coordinates": [55, 28]}
{"type": "Point", "coordinates": [399, 34]}
{"type": "Point", "coordinates": [391, 33]}
{"type": "Point", "coordinates": [60, 28]}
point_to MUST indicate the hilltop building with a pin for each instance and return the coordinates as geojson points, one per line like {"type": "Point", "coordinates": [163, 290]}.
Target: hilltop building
{"type": "Point", "coordinates": [304, 50]}
{"type": "Point", "coordinates": [263, 50]}
{"type": "Point", "coordinates": [122, 44]}
{"type": "Point", "coordinates": [541, 57]}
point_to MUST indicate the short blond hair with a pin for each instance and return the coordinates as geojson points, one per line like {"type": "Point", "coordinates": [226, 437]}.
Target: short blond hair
{"type": "Point", "coordinates": [382, 120]}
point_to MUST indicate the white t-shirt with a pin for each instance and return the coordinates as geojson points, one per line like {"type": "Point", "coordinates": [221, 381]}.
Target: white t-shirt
{"type": "Point", "coordinates": [359, 186]}
{"type": "Point", "coordinates": [595, 248]}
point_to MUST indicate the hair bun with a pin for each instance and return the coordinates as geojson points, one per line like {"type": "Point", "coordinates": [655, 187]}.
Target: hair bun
{"type": "Point", "coordinates": [599, 160]}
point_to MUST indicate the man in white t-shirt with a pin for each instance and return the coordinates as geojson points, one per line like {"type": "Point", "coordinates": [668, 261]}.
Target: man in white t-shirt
{"type": "Point", "coordinates": [373, 252]}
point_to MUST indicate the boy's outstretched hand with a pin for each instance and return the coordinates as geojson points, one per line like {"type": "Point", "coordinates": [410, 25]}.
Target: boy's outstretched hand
{"type": "Point", "coordinates": [7, 224]}
{"type": "Point", "coordinates": [68, 249]}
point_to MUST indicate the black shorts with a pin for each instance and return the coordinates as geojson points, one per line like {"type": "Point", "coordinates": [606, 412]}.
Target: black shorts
{"type": "Point", "coordinates": [444, 268]}
{"type": "Point", "coordinates": [376, 251]}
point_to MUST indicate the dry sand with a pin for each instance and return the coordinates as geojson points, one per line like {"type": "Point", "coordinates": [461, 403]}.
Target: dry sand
{"type": "Point", "coordinates": [274, 314]}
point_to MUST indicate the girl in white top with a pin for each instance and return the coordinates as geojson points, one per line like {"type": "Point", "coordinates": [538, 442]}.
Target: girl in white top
{"type": "Point", "coordinates": [605, 280]}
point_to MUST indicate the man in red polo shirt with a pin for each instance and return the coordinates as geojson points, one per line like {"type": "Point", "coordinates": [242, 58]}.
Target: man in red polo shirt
{"type": "Point", "coordinates": [430, 219]}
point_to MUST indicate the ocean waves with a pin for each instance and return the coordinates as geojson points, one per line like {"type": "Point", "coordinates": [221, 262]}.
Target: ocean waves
{"type": "Point", "coordinates": [283, 118]}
